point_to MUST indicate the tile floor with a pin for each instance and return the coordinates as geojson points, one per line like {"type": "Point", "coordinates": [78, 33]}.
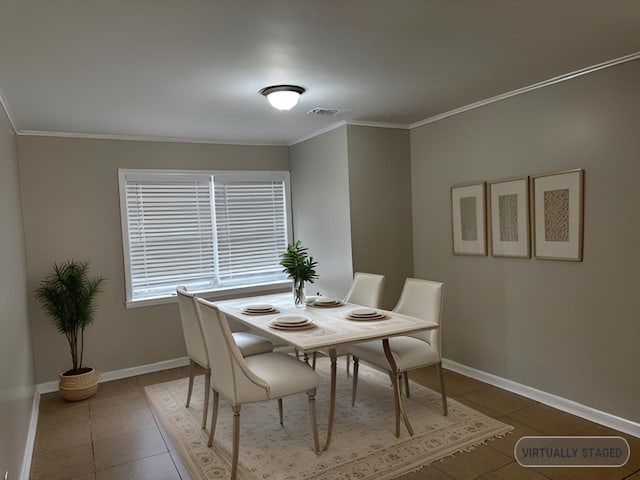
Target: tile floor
{"type": "Point", "coordinates": [115, 435]}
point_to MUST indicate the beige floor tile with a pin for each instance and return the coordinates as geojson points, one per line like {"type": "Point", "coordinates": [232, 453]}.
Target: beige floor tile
{"type": "Point", "coordinates": [513, 471]}
{"type": "Point", "coordinates": [506, 444]}
{"type": "Point", "coordinates": [177, 461]}
{"type": "Point", "coordinates": [125, 422]}
{"type": "Point", "coordinates": [470, 465]}
{"type": "Point", "coordinates": [58, 437]}
{"type": "Point", "coordinates": [116, 387]}
{"type": "Point", "coordinates": [549, 421]}
{"type": "Point", "coordinates": [157, 467]}
{"type": "Point", "coordinates": [118, 404]}
{"type": "Point", "coordinates": [63, 413]}
{"type": "Point", "coordinates": [62, 464]}
{"type": "Point", "coordinates": [498, 400]}
{"type": "Point", "coordinates": [426, 473]}
{"type": "Point", "coordinates": [634, 442]}
{"type": "Point", "coordinates": [577, 473]}
{"type": "Point", "coordinates": [163, 376]}
{"type": "Point", "coordinates": [128, 448]}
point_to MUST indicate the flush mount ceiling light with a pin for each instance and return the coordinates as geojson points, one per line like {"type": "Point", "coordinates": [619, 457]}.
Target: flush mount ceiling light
{"type": "Point", "coordinates": [283, 97]}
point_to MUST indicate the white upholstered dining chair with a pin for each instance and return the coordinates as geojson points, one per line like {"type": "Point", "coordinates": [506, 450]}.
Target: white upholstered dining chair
{"type": "Point", "coordinates": [248, 343]}
{"type": "Point", "coordinates": [250, 379]}
{"type": "Point", "coordinates": [422, 299]}
{"type": "Point", "coordinates": [366, 290]}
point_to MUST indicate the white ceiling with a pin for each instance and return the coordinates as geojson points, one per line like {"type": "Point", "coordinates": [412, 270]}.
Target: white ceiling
{"type": "Point", "coordinates": [191, 69]}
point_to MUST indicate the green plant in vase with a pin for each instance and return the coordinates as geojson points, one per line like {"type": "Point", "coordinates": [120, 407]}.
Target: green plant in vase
{"type": "Point", "coordinates": [300, 267]}
{"type": "Point", "coordinates": [68, 295]}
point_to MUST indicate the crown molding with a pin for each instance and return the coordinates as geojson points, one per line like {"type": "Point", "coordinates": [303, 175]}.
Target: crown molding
{"type": "Point", "coordinates": [535, 86]}
{"type": "Point", "coordinates": [397, 126]}
{"type": "Point", "coordinates": [333, 126]}
{"type": "Point", "coordinates": [139, 138]}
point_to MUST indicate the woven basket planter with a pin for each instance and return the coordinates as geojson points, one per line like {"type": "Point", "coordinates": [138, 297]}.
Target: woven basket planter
{"type": "Point", "coordinates": [78, 387]}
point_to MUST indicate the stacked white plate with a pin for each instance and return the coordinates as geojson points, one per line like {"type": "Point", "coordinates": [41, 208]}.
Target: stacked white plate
{"type": "Point", "coordinates": [292, 322]}
{"type": "Point", "coordinates": [365, 314]}
{"type": "Point", "coordinates": [326, 302]}
{"type": "Point", "coordinates": [259, 309]}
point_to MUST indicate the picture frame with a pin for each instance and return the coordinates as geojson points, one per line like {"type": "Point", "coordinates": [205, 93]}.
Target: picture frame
{"type": "Point", "coordinates": [509, 226]}
{"type": "Point", "coordinates": [468, 206]}
{"type": "Point", "coordinates": [558, 215]}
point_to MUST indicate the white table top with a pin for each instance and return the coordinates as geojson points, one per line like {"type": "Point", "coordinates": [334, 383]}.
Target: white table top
{"type": "Point", "coordinates": [332, 328]}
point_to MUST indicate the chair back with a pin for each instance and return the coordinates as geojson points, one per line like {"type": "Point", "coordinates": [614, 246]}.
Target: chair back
{"type": "Point", "coordinates": [366, 290]}
{"type": "Point", "coordinates": [230, 374]}
{"type": "Point", "coordinates": [423, 299]}
{"type": "Point", "coordinates": [193, 339]}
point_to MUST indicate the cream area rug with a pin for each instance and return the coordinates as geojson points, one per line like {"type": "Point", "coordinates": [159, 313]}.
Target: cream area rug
{"type": "Point", "coordinates": [363, 447]}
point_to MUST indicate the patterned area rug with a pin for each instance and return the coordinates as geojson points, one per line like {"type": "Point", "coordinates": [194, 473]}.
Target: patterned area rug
{"type": "Point", "coordinates": [364, 446]}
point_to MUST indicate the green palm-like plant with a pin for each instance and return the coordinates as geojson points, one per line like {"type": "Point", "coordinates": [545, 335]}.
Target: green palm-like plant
{"type": "Point", "coordinates": [68, 295]}
{"type": "Point", "coordinates": [300, 267]}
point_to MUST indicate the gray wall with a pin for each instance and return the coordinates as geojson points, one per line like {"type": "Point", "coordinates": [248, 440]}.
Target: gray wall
{"type": "Point", "coordinates": [16, 352]}
{"type": "Point", "coordinates": [380, 205]}
{"type": "Point", "coordinates": [567, 328]}
{"type": "Point", "coordinates": [321, 212]}
{"type": "Point", "coordinates": [71, 210]}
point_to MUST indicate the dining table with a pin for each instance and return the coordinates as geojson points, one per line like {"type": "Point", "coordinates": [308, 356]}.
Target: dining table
{"type": "Point", "coordinates": [326, 328]}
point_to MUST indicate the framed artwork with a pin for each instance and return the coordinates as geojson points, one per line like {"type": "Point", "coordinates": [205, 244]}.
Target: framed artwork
{"type": "Point", "coordinates": [468, 217]}
{"type": "Point", "coordinates": [558, 215]}
{"type": "Point", "coordinates": [509, 217]}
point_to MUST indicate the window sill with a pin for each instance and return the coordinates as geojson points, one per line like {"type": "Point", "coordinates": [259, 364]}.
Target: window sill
{"type": "Point", "coordinates": [220, 294]}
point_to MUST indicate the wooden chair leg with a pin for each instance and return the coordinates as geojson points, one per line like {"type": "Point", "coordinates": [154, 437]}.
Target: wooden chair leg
{"type": "Point", "coordinates": [406, 383]}
{"type": "Point", "coordinates": [207, 390]}
{"type": "Point", "coordinates": [445, 411]}
{"type": "Point", "coordinates": [354, 389]}
{"type": "Point", "coordinates": [214, 417]}
{"type": "Point", "coordinates": [280, 411]}
{"type": "Point", "coordinates": [191, 373]}
{"type": "Point", "coordinates": [314, 423]}
{"type": "Point", "coordinates": [236, 441]}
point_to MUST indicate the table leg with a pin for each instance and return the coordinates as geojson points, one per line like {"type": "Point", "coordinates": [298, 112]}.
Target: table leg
{"type": "Point", "coordinates": [398, 394]}
{"type": "Point", "coordinates": [332, 399]}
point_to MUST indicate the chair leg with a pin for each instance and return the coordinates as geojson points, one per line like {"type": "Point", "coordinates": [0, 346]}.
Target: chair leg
{"type": "Point", "coordinates": [236, 441]}
{"type": "Point", "coordinates": [313, 360]}
{"type": "Point", "coordinates": [442, 390]}
{"type": "Point", "coordinates": [354, 389]}
{"type": "Point", "coordinates": [348, 363]}
{"type": "Point", "coordinates": [191, 373]}
{"type": "Point", "coordinates": [406, 383]}
{"type": "Point", "coordinates": [207, 389]}
{"type": "Point", "coordinates": [214, 417]}
{"type": "Point", "coordinates": [314, 423]}
{"type": "Point", "coordinates": [280, 411]}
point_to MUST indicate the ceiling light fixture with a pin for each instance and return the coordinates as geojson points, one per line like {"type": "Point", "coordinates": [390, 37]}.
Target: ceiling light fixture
{"type": "Point", "coordinates": [283, 97]}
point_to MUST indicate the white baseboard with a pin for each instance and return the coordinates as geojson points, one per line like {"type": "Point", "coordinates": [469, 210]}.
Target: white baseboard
{"type": "Point", "coordinates": [31, 438]}
{"type": "Point", "coordinates": [569, 406]}
{"type": "Point", "coordinates": [48, 387]}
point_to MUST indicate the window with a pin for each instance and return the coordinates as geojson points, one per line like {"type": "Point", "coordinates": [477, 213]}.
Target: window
{"type": "Point", "coordinates": [208, 231]}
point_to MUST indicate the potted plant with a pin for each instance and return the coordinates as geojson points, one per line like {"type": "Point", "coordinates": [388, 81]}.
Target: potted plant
{"type": "Point", "coordinates": [301, 268]}
{"type": "Point", "coordinates": [68, 295]}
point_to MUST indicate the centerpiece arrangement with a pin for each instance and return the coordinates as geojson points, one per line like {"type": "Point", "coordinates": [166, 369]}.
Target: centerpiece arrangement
{"type": "Point", "coordinates": [68, 295]}
{"type": "Point", "coordinates": [301, 268]}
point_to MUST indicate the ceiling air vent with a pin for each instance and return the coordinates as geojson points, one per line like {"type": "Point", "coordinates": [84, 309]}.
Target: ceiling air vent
{"type": "Point", "coordinates": [326, 112]}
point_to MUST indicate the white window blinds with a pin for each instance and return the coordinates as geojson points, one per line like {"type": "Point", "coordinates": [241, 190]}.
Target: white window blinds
{"type": "Point", "coordinates": [204, 231]}
{"type": "Point", "coordinates": [251, 228]}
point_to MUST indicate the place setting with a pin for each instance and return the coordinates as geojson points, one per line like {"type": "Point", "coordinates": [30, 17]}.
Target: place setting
{"type": "Point", "coordinates": [324, 302]}
{"type": "Point", "coordinates": [292, 322]}
{"type": "Point", "coordinates": [365, 314]}
{"type": "Point", "coordinates": [259, 309]}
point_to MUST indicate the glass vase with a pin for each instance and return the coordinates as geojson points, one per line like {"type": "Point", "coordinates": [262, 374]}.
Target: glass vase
{"type": "Point", "coordinates": [299, 293]}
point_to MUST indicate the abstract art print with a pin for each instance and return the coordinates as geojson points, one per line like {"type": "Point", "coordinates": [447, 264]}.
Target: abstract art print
{"type": "Point", "coordinates": [468, 217]}
{"type": "Point", "coordinates": [558, 215]}
{"type": "Point", "coordinates": [509, 217]}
